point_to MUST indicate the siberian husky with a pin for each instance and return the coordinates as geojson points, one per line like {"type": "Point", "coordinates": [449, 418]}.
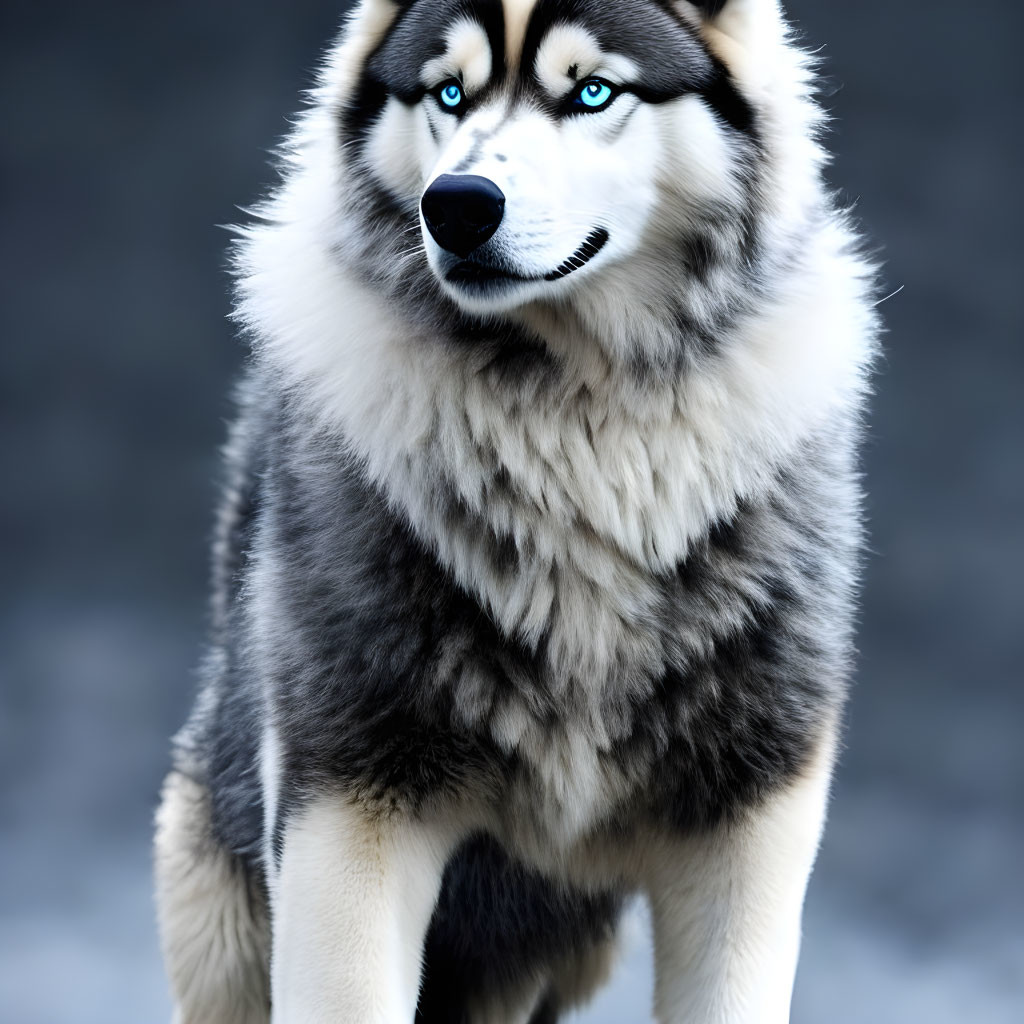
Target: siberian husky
{"type": "Point", "coordinates": [536, 567]}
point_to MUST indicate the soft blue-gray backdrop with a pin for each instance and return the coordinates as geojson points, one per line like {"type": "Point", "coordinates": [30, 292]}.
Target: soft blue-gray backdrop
{"type": "Point", "coordinates": [129, 130]}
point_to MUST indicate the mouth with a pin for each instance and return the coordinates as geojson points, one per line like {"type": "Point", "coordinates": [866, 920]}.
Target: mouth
{"type": "Point", "coordinates": [479, 275]}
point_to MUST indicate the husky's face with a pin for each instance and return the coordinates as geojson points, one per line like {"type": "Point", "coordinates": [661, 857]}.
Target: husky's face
{"type": "Point", "coordinates": [538, 142]}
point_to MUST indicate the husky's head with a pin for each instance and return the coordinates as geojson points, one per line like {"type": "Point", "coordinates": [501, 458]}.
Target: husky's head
{"type": "Point", "coordinates": [616, 184]}
{"type": "Point", "coordinates": [550, 152]}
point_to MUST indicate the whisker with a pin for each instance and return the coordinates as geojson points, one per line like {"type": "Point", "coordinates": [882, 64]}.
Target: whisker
{"type": "Point", "coordinates": [891, 295]}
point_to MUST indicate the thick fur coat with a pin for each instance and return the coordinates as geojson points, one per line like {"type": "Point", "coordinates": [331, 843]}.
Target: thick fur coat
{"type": "Point", "coordinates": [536, 567]}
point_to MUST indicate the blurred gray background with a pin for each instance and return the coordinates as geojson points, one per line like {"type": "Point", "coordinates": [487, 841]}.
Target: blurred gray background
{"type": "Point", "coordinates": [129, 130]}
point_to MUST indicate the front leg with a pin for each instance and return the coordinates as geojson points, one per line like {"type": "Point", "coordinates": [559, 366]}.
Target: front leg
{"type": "Point", "coordinates": [352, 900]}
{"type": "Point", "coordinates": [727, 907]}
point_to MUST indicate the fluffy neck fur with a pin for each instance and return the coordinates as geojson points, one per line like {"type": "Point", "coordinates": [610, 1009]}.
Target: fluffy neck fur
{"type": "Point", "coordinates": [537, 478]}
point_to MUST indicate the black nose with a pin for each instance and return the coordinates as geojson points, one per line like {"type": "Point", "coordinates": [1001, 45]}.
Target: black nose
{"type": "Point", "coordinates": [462, 211]}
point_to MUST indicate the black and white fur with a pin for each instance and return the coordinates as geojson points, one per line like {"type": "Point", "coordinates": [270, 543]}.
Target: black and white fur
{"type": "Point", "coordinates": [535, 591]}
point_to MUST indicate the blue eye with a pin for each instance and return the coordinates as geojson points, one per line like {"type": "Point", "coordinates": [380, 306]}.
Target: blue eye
{"type": "Point", "coordinates": [593, 95]}
{"type": "Point", "coordinates": [451, 95]}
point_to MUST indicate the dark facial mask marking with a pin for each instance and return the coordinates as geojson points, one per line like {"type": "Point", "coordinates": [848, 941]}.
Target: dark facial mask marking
{"type": "Point", "coordinates": [672, 59]}
{"type": "Point", "coordinates": [416, 36]}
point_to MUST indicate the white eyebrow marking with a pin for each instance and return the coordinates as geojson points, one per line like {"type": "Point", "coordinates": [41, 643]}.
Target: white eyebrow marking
{"type": "Point", "coordinates": [568, 47]}
{"type": "Point", "coordinates": [467, 53]}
